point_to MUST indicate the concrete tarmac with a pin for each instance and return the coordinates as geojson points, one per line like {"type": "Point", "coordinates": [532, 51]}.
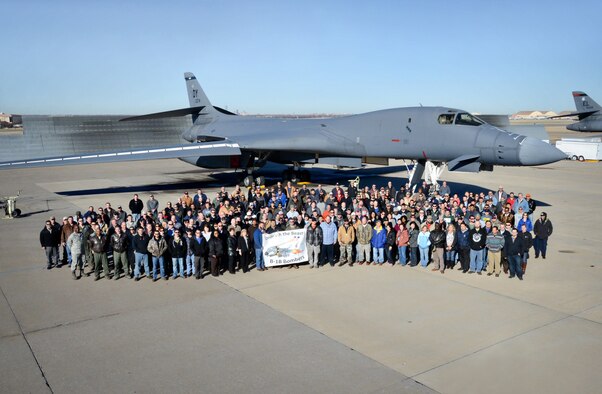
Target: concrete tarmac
{"type": "Point", "coordinates": [342, 330]}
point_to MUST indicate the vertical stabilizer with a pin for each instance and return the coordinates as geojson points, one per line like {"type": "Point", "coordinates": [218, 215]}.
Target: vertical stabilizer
{"type": "Point", "coordinates": [584, 103]}
{"type": "Point", "coordinates": [196, 96]}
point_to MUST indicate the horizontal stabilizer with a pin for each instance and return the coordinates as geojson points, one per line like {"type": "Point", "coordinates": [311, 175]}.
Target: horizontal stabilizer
{"type": "Point", "coordinates": [155, 152]}
{"type": "Point", "coordinates": [464, 163]}
{"type": "Point", "coordinates": [581, 115]}
{"type": "Point", "coordinates": [166, 114]}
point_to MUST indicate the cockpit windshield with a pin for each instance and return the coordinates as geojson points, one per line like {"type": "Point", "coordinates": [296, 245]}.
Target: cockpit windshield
{"type": "Point", "coordinates": [446, 119]}
{"type": "Point", "coordinates": [466, 119]}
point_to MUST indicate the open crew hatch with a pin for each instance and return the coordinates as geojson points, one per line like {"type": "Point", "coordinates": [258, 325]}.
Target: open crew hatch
{"type": "Point", "coordinates": [462, 118]}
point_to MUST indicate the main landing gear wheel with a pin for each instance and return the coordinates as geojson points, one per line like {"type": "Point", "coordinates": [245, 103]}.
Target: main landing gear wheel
{"type": "Point", "coordinates": [249, 179]}
{"type": "Point", "coordinates": [16, 213]}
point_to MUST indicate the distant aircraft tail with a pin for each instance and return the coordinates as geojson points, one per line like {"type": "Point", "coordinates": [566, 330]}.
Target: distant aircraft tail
{"type": "Point", "coordinates": [584, 103]}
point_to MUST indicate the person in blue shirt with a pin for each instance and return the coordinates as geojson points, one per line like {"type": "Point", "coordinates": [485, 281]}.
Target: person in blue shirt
{"type": "Point", "coordinates": [378, 241]}
{"type": "Point", "coordinates": [258, 243]}
{"type": "Point", "coordinates": [423, 245]}
{"type": "Point", "coordinates": [524, 220]}
{"type": "Point", "coordinates": [329, 234]}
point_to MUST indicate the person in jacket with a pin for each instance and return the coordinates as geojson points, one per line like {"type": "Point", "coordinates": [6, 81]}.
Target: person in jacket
{"type": "Point", "coordinates": [189, 260]}
{"type": "Point", "coordinates": [477, 239]}
{"type": "Point", "coordinates": [216, 253]}
{"type": "Point", "coordinates": [157, 247]}
{"type": "Point", "coordinates": [231, 246]}
{"type": "Point", "coordinates": [424, 242]}
{"type": "Point", "coordinates": [437, 238]}
{"type": "Point", "coordinates": [199, 250]}
{"type": "Point", "coordinates": [49, 242]}
{"type": "Point", "coordinates": [87, 231]}
{"type": "Point", "coordinates": [464, 247]}
{"type": "Point", "coordinates": [390, 244]}
{"type": "Point", "coordinates": [140, 245]}
{"type": "Point", "coordinates": [178, 250]}
{"type": "Point", "coordinates": [98, 245]}
{"type": "Point", "coordinates": [532, 205]}
{"type": "Point", "coordinates": [378, 242]}
{"type": "Point", "coordinates": [494, 243]}
{"type": "Point", "coordinates": [329, 234]}
{"type": "Point", "coordinates": [402, 241]}
{"type": "Point", "coordinates": [119, 244]}
{"type": "Point", "coordinates": [136, 206]}
{"type": "Point", "coordinates": [75, 245]}
{"type": "Point", "coordinates": [451, 241]}
{"type": "Point", "coordinates": [258, 245]}
{"type": "Point", "coordinates": [346, 238]}
{"type": "Point", "coordinates": [130, 232]}
{"type": "Point", "coordinates": [527, 244]}
{"type": "Point", "coordinates": [413, 243]}
{"type": "Point", "coordinates": [514, 251]}
{"type": "Point", "coordinates": [314, 238]}
{"type": "Point", "coordinates": [244, 250]}
{"type": "Point", "coordinates": [363, 234]}
{"type": "Point", "coordinates": [66, 230]}
{"type": "Point", "coordinates": [543, 229]}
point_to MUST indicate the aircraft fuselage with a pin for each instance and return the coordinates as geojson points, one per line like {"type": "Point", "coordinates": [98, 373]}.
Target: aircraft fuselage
{"type": "Point", "coordinates": [432, 133]}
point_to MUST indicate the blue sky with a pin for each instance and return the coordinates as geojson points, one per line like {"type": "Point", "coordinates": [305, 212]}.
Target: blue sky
{"type": "Point", "coordinates": [128, 57]}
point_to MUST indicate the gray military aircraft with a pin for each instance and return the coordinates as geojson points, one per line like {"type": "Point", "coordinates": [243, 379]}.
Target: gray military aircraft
{"type": "Point", "coordinates": [588, 112]}
{"type": "Point", "coordinates": [220, 139]}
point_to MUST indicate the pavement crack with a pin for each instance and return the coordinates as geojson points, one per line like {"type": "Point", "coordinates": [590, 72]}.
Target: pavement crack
{"type": "Point", "coordinates": [73, 322]}
{"type": "Point", "coordinates": [27, 342]}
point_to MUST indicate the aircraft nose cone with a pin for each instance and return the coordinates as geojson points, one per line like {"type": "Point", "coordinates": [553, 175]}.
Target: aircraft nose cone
{"type": "Point", "coordinates": [534, 152]}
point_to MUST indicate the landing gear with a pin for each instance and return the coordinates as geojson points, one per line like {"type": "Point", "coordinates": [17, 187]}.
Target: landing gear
{"type": "Point", "coordinates": [249, 180]}
{"type": "Point", "coordinates": [305, 176]}
{"type": "Point", "coordinates": [296, 174]}
{"type": "Point", "coordinates": [432, 173]}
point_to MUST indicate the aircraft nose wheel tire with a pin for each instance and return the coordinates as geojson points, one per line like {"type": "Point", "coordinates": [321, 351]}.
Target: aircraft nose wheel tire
{"type": "Point", "coordinates": [260, 180]}
{"type": "Point", "coordinates": [248, 181]}
{"type": "Point", "coordinates": [16, 213]}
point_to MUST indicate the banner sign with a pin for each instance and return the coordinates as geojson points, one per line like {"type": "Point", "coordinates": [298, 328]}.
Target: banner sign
{"type": "Point", "coordinates": [284, 248]}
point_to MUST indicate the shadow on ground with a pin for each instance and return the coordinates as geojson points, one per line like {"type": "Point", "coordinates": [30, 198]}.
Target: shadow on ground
{"type": "Point", "coordinates": [378, 176]}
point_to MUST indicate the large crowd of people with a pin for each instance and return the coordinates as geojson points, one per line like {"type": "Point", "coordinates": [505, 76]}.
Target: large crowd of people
{"type": "Point", "coordinates": [199, 235]}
